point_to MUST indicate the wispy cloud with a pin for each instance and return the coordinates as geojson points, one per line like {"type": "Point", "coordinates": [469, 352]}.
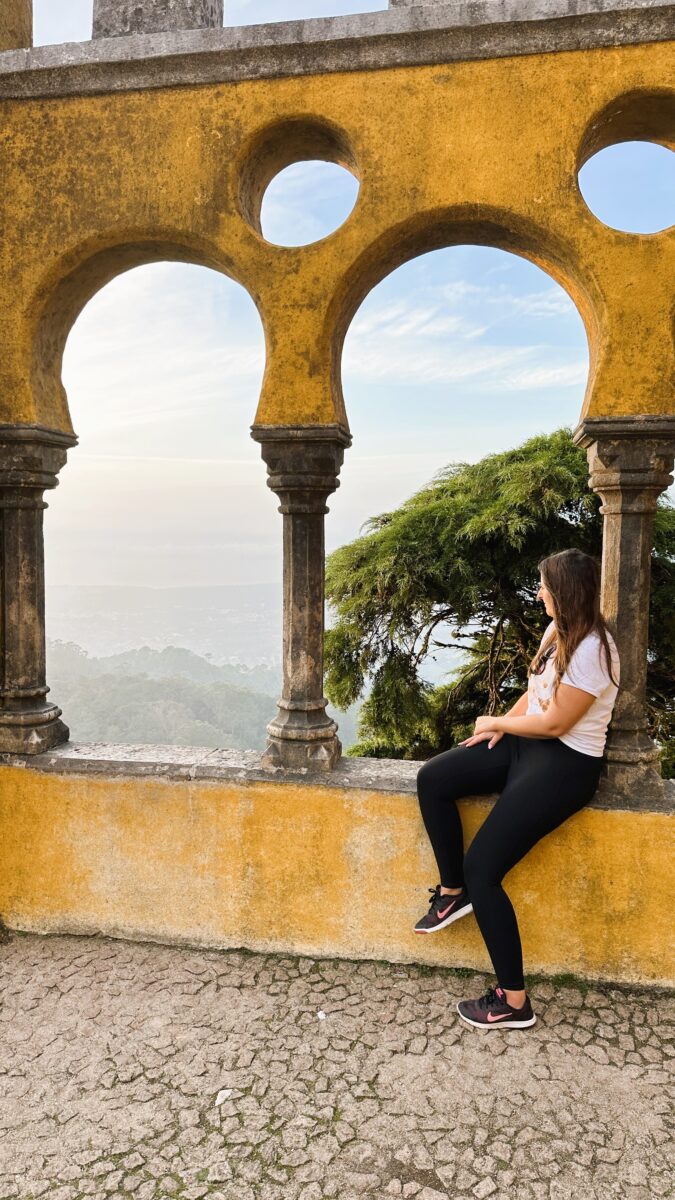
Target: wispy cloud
{"type": "Point", "coordinates": [552, 302]}
{"type": "Point", "coordinates": [442, 335]}
{"type": "Point", "coordinates": [540, 378]}
{"type": "Point", "coordinates": [449, 364]}
{"type": "Point", "coordinates": [403, 318]}
{"type": "Point", "coordinates": [549, 302]}
{"type": "Point", "coordinates": [465, 333]}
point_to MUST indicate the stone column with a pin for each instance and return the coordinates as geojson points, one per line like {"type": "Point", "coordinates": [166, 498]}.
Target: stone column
{"type": "Point", "coordinates": [117, 18]}
{"type": "Point", "coordinates": [30, 458]}
{"type": "Point", "coordinates": [630, 460]}
{"type": "Point", "coordinates": [303, 464]}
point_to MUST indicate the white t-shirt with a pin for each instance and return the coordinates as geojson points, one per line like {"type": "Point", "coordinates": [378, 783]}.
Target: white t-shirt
{"type": "Point", "coordinates": [587, 670]}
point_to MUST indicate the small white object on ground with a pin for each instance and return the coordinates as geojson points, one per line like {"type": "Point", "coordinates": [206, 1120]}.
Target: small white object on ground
{"type": "Point", "coordinates": [222, 1095]}
{"type": "Point", "coordinates": [321, 1015]}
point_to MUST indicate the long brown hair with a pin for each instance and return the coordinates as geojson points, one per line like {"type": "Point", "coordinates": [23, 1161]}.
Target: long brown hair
{"type": "Point", "coordinates": [573, 579]}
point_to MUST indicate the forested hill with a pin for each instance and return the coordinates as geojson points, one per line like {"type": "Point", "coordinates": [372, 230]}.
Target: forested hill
{"type": "Point", "coordinates": [171, 697]}
{"type": "Point", "coordinates": [67, 658]}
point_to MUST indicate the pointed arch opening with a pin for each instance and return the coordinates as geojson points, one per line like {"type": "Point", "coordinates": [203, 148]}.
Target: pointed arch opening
{"type": "Point", "coordinates": [457, 354]}
{"type": "Point", "coordinates": [163, 557]}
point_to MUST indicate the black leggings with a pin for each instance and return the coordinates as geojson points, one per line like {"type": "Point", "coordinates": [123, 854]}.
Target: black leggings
{"type": "Point", "coordinates": [542, 782]}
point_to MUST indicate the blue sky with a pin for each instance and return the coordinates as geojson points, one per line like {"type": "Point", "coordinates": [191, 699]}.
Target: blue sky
{"type": "Point", "coordinates": [459, 353]}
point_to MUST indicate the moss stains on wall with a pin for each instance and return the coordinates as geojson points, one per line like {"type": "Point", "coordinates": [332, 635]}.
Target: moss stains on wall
{"type": "Point", "coordinates": [186, 861]}
{"type": "Point", "coordinates": [483, 151]}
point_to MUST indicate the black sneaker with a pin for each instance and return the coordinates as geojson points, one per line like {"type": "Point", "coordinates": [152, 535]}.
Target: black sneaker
{"type": "Point", "coordinates": [443, 910]}
{"type": "Point", "coordinates": [493, 1010]}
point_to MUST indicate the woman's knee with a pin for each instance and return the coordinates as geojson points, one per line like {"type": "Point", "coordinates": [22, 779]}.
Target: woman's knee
{"type": "Point", "coordinates": [426, 785]}
{"type": "Point", "coordinates": [479, 871]}
{"type": "Point", "coordinates": [423, 773]}
{"type": "Point", "coordinates": [438, 774]}
{"type": "Point", "coordinates": [435, 784]}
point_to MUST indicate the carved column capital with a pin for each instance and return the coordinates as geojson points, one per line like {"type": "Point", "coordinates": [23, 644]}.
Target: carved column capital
{"type": "Point", "coordinates": [630, 460]}
{"type": "Point", "coordinates": [31, 457]}
{"type": "Point", "coordinates": [303, 464]}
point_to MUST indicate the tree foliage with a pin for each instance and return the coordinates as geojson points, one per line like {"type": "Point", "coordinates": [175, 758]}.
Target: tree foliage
{"type": "Point", "coordinates": [456, 566]}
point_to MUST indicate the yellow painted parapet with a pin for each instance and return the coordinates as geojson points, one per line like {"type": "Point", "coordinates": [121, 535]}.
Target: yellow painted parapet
{"type": "Point", "coordinates": [298, 868]}
{"type": "Point", "coordinates": [16, 24]}
{"type": "Point", "coordinates": [481, 151]}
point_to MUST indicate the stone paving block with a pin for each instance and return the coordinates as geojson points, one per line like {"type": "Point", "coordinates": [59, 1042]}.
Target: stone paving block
{"type": "Point", "coordinates": [547, 1114]}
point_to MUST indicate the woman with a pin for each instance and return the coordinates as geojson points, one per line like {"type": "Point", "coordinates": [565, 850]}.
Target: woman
{"type": "Point", "coordinates": [544, 757]}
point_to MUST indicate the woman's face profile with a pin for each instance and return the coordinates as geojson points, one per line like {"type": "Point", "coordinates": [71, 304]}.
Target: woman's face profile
{"type": "Point", "coordinates": [546, 598]}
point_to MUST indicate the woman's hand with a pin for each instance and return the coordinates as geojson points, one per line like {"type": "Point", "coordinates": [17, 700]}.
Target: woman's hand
{"type": "Point", "coordinates": [485, 730]}
{"type": "Point", "coordinates": [490, 738]}
{"type": "Point", "coordinates": [487, 724]}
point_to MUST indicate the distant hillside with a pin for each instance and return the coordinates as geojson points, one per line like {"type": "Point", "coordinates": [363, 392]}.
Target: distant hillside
{"type": "Point", "coordinates": [67, 658]}
{"type": "Point", "coordinates": [170, 696]}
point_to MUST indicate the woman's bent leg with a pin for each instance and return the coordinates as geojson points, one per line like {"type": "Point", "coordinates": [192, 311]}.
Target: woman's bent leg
{"type": "Point", "coordinates": [548, 783]}
{"type": "Point", "coordinates": [445, 778]}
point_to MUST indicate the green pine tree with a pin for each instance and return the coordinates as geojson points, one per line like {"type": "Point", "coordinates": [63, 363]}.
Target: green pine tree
{"type": "Point", "coordinates": [463, 554]}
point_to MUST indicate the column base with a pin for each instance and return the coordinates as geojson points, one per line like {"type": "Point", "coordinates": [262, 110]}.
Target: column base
{"type": "Point", "coordinates": [298, 748]}
{"type": "Point", "coordinates": [32, 732]}
{"type": "Point", "coordinates": [636, 785]}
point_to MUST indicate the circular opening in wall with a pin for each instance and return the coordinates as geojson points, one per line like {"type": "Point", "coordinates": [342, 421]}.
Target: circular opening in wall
{"type": "Point", "coordinates": [298, 182]}
{"type": "Point", "coordinates": [631, 187]}
{"type": "Point", "coordinates": [307, 202]}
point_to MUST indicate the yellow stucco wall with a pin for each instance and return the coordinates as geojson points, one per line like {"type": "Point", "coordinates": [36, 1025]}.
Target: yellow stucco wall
{"type": "Point", "coordinates": [482, 151]}
{"type": "Point", "coordinates": [287, 867]}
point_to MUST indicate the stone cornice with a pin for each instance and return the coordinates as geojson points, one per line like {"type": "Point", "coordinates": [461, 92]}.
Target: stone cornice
{"type": "Point", "coordinates": [38, 435]}
{"type": "Point", "coordinates": [636, 427]}
{"type": "Point", "coordinates": [401, 36]}
{"type": "Point", "coordinates": [397, 776]}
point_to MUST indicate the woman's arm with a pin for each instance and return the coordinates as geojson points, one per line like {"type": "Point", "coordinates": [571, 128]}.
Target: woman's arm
{"type": "Point", "coordinates": [568, 707]}
{"type": "Point", "coordinates": [519, 707]}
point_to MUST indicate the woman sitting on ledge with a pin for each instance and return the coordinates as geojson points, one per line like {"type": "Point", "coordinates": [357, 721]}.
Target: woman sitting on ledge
{"type": "Point", "coordinates": [544, 757]}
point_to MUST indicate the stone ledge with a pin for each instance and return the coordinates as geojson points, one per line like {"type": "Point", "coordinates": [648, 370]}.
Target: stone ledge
{"type": "Point", "coordinates": [400, 36]}
{"type": "Point", "coordinates": [202, 763]}
{"type": "Point", "coordinates": [397, 776]}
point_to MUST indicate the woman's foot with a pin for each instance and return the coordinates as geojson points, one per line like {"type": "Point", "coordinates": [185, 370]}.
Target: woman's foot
{"type": "Point", "coordinates": [493, 1009]}
{"type": "Point", "coordinates": [443, 910]}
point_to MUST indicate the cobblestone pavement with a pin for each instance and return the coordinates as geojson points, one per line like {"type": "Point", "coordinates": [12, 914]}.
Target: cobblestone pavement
{"type": "Point", "coordinates": [150, 1071]}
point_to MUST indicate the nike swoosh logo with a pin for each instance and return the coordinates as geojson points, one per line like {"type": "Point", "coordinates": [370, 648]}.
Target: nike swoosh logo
{"type": "Point", "coordinates": [441, 915]}
{"type": "Point", "coordinates": [499, 1017]}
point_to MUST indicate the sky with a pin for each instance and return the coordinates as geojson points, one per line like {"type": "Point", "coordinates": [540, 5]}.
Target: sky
{"type": "Point", "coordinates": [459, 353]}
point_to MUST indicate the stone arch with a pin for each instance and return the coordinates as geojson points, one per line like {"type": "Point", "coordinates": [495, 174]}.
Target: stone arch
{"type": "Point", "coordinates": [438, 231]}
{"type": "Point", "coordinates": [34, 439]}
{"type": "Point", "coordinates": [640, 115]}
{"type": "Point", "coordinates": [73, 282]}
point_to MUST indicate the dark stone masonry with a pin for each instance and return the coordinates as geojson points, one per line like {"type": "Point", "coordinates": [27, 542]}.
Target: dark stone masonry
{"type": "Point", "coordinates": [113, 18]}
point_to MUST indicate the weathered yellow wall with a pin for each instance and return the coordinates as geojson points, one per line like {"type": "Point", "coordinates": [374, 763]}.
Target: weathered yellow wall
{"type": "Point", "coordinates": [475, 151]}
{"type": "Point", "coordinates": [299, 868]}
{"type": "Point", "coordinates": [16, 24]}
